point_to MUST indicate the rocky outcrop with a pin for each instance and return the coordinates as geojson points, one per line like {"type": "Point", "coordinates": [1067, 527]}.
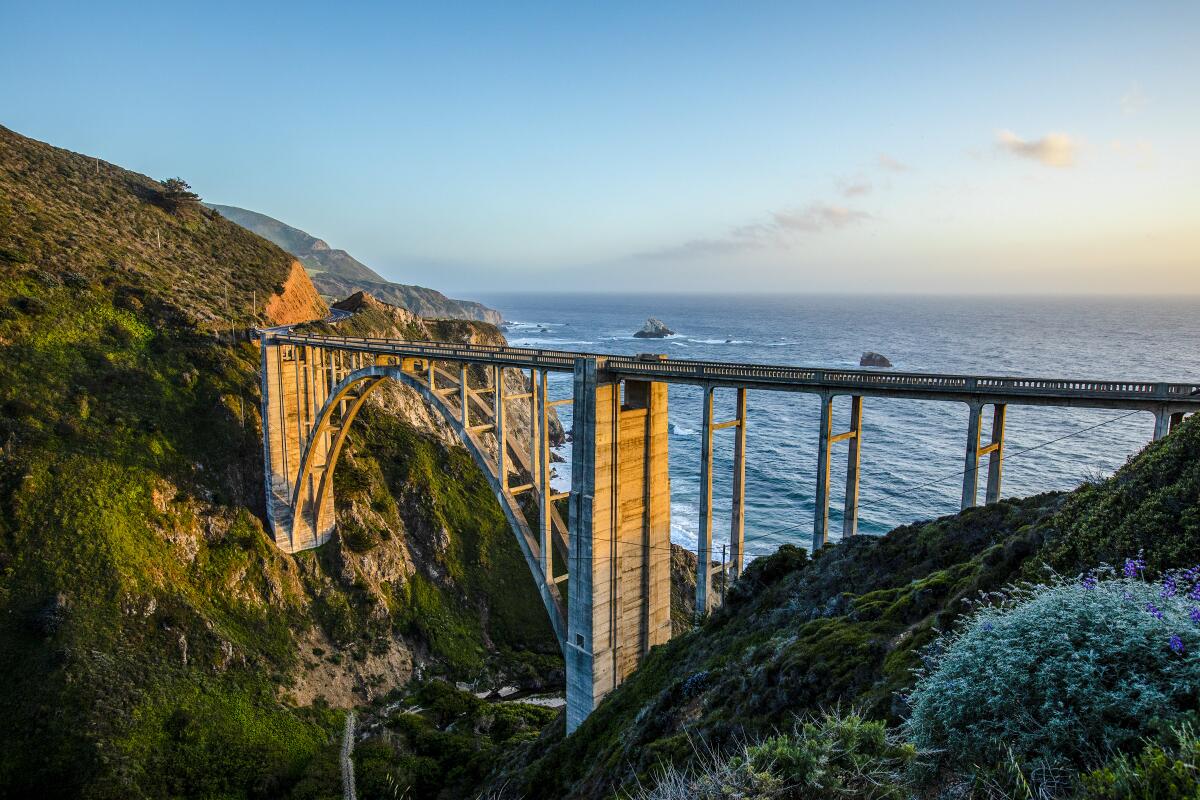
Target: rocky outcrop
{"type": "Point", "coordinates": [296, 300]}
{"type": "Point", "coordinates": [872, 359]}
{"type": "Point", "coordinates": [654, 329]}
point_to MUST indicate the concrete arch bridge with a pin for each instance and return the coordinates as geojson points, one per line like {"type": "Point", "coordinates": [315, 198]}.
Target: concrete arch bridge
{"type": "Point", "coordinates": [611, 547]}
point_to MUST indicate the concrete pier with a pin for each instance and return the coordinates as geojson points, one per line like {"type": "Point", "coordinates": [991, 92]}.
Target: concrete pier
{"type": "Point", "coordinates": [619, 602]}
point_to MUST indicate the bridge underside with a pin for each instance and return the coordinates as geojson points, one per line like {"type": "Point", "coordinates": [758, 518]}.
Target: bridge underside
{"type": "Point", "coordinates": [617, 549]}
{"type": "Point", "coordinates": [615, 543]}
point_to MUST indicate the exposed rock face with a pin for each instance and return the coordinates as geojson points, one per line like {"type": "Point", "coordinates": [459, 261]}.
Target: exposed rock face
{"type": "Point", "coordinates": [872, 359]}
{"type": "Point", "coordinates": [654, 329]}
{"type": "Point", "coordinates": [298, 302]}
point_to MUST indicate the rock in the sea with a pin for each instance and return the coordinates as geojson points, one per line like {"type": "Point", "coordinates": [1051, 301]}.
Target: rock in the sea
{"type": "Point", "coordinates": [654, 329]}
{"type": "Point", "coordinates": [873, 359]}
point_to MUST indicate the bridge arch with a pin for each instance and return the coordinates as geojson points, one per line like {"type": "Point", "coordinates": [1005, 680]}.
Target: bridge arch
{"type": "Point", "coordinates": [311, 494]}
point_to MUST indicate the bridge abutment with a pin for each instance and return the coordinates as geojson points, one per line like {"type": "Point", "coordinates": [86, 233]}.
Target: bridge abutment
{"type": "Point", "coordinates": [619, 603]}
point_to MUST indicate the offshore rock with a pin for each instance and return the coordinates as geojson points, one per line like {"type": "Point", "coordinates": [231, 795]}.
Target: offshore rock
{"type": "Point", "coordinates": [654, 329]}
{"type": "Point", "coordinates": [872, 359]}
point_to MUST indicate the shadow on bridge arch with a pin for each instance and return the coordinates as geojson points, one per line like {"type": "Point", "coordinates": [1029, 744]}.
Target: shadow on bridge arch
{"type": "Point", "coordinates": [311, 494]}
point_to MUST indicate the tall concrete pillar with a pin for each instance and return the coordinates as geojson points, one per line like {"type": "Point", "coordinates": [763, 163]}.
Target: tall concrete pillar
{"type": "Point", "coordinates": [996, 451]}
{"type": "Point", "coordinates": [737, 521]}
{"type": "Point", "coordinates": [970, 492]}
{"type": "Point", "coordinates": [704, 552]}
{"type": "Point", "coordinates": [850, 509]}
{"type": "Point", "coordinates": [619, 601]}
{"type": "Point", "coordinates": [821, 513]}
{"type": "Point", "coordinates": [290, 394]}
{"type": "Point", "coordinates": [1162, 423]}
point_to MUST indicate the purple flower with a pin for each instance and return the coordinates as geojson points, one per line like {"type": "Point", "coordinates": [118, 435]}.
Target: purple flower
{"type": "Point", "coordinates": [1126, 595]}
{"type": "Point", "coordinates": [1194, 616]}
{"type": "Point", "coordinates": [1089, 581]}
{"type": "Point", "coordinates": [1134, 567]}
{"type": "Point", "coordinates": [1195, 593]}
{"type": "Point", "coordinates": [1154, 611]}
{"type": "Point", "coordinates": [1176, 644]}
{"type": "Point", "coordinates": [1169, 588]}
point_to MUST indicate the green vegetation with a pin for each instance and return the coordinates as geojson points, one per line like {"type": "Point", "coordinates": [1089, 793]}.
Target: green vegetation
{"type": "Point", "coordinates": [149, 630]}
{"type": "Point", "coordinates": [440, 742]}
{"type": "Point", "coordinates": [852, 627]}
{"type": "Point", "coordinates": [831, 755]}
{"type": "Point", "coordinates": [1055, 674]}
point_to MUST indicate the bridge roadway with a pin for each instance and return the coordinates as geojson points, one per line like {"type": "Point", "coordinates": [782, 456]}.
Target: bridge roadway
{"type": "Point", "coordinates": [612, 604]}
{"type": "Point", "coordinates": [1073, 392]}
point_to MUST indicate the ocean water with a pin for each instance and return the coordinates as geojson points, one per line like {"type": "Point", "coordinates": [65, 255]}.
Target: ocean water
{"type": "Point", "coordinates": [912, 451]}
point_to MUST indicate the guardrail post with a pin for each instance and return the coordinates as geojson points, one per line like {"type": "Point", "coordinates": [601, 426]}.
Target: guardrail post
{"type": "Point", "coordinates": [704, 534]}
{"type": "Point", "coordinates": [970, 492]}
{"type": "Point", "coordinates": [821, 512]}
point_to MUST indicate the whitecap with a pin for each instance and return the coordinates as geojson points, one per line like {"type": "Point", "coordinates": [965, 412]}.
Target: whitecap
{"type": "Point", "coordinates": [679, 430]}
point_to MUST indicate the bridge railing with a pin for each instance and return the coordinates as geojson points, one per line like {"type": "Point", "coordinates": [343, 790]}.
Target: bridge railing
{"type": "Point", "coordinates": [778, 376]}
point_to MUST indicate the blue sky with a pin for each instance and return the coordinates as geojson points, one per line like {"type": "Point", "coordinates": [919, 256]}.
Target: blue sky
{"type": "Point", "coordinates": [1048, 147]}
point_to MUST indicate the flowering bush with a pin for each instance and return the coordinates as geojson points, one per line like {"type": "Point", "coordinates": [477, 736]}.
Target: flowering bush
{"type": "Point", "coordinates": [1062, 674]}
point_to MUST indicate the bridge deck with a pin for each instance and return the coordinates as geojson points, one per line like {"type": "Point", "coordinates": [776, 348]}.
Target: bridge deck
{"type": "Point", "coordinates": [1147, 395]}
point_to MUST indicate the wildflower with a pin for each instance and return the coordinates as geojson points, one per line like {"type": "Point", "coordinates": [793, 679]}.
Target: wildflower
{"type": "Point", "coordinates": [1194, 616]}
{"type": "Point", "coordinates": [1195, 593]}
{"type": "Point", "coordinates": [1169, 587]}
{"type": "Point", "coordinates": [1089, 581]}
{"type": "Point", "coordinates": [1154, 611]}
{"type": "Point", "coordinates": [1176, 644]}
{"type": "Point", "coordinates": [1134, 567]}
{"type": "Point", "coordinates": [1126, 595]}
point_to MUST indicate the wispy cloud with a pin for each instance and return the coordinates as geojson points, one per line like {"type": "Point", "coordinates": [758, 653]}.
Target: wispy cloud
{"type": "Point", "coordinates": [780, 231]}
{"type": "Point", "coordinates": [856, 188]}
{"type": "Point", "coordinates": [1053, 149]}
{"type": "Point", "coordinates": [891, 164]}
{"type": "Point", "coordinates": [1133, 100]}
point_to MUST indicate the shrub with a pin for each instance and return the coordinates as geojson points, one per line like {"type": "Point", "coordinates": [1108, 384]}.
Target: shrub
{"type": "Point", "coordinates": [1061, 675]}
{"type": "Point", "coordinates": [833, 755]}
{"type": "Point", "coordinates": [1164, 770]}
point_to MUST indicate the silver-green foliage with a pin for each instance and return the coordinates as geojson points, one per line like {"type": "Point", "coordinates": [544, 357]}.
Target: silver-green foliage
{"type": "Point", "coordinates": [1061, 674]}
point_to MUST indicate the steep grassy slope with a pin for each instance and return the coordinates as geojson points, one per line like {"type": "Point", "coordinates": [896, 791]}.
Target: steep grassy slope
{"type": "Point", "coordinates": [338, 274]}
{"type": "Point", "coordinates": [154, 643]}
{"type": "Point", "coordinates": [799, 635]}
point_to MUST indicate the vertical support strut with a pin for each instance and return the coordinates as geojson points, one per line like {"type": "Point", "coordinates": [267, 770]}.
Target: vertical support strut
{"type": "Point", "coordinates": [850, 513]}
{"type": "Point", "coordinates": [501, 436]}
{"type": "Point", "coordinates": [462, 393]}
{"type": "Point", "coordinates": [737, 521]}
{"type": "Point", "coordinates": [996, 450]}
{"type": "Point", "coordinates": [704, 534]}
{"type": "Point", "coordinates": [542, 467]}
{"type": "Point", "coordinates": [821, 512]}
{"type": "Point", "coordinates": [1162, 423]}
{"type": "Point", "coordinates": [970, 492]}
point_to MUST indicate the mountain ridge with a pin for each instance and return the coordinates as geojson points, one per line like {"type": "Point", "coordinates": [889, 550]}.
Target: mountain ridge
{"type": "Point", "coordinates": [337, 274]}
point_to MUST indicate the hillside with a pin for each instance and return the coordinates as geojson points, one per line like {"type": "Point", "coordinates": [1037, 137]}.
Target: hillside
{"type": "Point", "coordinates": [154, 642]}
{"type": "Point", "coordinates": [337, 274]}
{"type": "Point", "coordinates": [799, 636]}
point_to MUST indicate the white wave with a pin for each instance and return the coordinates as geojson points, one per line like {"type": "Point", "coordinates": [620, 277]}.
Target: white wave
{"type": "Point", "coordinates": [679, 430]}
{"type": "Point", "coordinates": [721, 341]}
